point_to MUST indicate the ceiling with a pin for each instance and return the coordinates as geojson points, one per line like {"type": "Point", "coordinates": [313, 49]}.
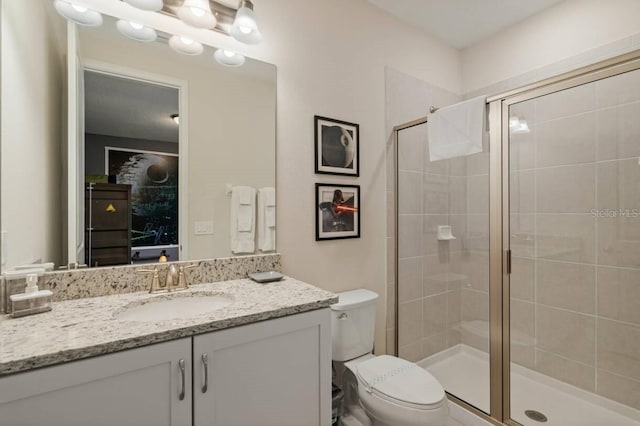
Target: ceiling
{"type": "Point", "coordinates": [463, 23]}
{"type": "Point", "coordinates": [122, 107]}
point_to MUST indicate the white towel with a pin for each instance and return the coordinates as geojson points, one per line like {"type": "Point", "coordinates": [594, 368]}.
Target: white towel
{"type": "Point", "coordinates": [267, 219]}
{"type": "Point", "coordinates": [243, 219]}
{"type": "Point", "coordinates": [457, 130]}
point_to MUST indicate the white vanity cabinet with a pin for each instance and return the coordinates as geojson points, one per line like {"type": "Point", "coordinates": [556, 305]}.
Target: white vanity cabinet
{"type": "Point", "coordinates": [272, 373]}
{"type": "Point", "coordinates": [143, 386]}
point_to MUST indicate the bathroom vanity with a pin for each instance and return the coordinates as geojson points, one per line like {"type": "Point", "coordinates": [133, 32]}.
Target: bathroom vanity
{"type": "Point", "coordinates": [262, 358]}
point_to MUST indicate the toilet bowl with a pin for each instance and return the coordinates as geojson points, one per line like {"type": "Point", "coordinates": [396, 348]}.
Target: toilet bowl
{"type": "Point", "coordinates": [379, 390]}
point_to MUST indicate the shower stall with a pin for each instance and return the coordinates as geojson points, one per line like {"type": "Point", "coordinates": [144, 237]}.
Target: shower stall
{"type": "Point", "coordinates": [529, 311]}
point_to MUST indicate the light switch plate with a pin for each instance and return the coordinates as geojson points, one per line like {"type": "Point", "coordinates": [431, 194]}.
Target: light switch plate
{"type": "Point", "coordinates": [203, 228]}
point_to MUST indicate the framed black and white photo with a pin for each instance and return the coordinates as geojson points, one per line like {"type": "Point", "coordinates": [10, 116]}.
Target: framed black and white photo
{"type": "Point", "coordinates": [337, 146]}
{"type": "Point", "coordinates": [337, 211]}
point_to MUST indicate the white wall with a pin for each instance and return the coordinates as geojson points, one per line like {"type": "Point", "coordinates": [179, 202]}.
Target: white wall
{"type": "Point", "coordinates": [562, 31]}
{"type": "Point", "coordinates": [32, 99]}
{"type": "Point", "coordinates": [331, 57]}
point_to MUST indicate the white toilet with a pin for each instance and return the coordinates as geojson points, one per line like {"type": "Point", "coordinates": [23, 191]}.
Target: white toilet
{"type": "Point", "coordinates": [379, 390]}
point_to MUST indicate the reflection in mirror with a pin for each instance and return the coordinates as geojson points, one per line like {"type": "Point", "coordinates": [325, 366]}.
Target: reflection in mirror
{"type": "Point", "coordinates": [131, 142]}
{"type": "Point", "coordinates": [188, 126]}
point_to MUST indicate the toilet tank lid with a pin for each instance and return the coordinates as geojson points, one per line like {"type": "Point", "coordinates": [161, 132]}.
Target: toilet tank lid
{"type": "Point", "coordinates": [354, 298]}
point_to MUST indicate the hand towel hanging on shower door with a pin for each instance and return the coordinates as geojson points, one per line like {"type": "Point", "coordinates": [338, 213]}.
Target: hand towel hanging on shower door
{"type": "Point", "coordinates": [457, 130]}
{"type": "Point", "coordinates": [243, 228]}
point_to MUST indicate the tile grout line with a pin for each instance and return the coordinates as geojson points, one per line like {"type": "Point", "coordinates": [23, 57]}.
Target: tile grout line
{"type": "Point", "coordinates": [582, 163]}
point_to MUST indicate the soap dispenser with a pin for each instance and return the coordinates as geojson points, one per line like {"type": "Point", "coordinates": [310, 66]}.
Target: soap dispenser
{"type": "Point", "coordinates": [32, 301]}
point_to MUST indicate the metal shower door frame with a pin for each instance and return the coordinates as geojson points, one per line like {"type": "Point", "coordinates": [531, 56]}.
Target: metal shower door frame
{"type": "Point", "coordinates": [499, 221]}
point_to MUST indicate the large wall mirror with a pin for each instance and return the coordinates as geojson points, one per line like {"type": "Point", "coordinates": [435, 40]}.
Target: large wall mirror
{"type": "Point", "coordinates": [117, 152]}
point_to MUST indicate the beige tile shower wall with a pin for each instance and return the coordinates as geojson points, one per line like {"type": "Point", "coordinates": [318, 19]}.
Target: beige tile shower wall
{"type": "Point", "coordinates": [470, 253]}
{"type": "Point", "coordinates": [575, 198]}
{"type": "Point", "coordinates": [443, 289]}
{"type": "Point", "coordinates": [443, 285]}
{"type": "Point", "coordinates": [429, 304]}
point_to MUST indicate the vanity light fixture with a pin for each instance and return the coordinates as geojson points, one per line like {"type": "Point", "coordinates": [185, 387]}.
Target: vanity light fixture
{"type": "Point", "coordinates": [197, 13]}
{"type": "Point", "coordinates": [81, 15]}
{"type": "Point", "coordinates": [150, 5]}
{"type": "Point", "coordinates": [245, 27]}
{"type": "Point", "coordinates": [228, 58]}
{"type": "Point", "coordinates": [185, 45]}
{"type": "Point", "coordinates": [136, 31]}
{"type": "Point", "coordinates": [176, 118]}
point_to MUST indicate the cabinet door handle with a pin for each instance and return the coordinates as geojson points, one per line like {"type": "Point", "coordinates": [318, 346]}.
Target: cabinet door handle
{"type": "Point", "coordinates": [205, 363]}
{"type": "Point", "coordinates": [182, 377]}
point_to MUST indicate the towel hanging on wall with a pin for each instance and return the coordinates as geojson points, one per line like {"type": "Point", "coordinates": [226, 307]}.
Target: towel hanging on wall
{"type": "Point", "coordinates": [457, 130]}
{"type": "Point", "coordinates": [267, 219]}
{"type": "Point", "coordinates": [243, 229]}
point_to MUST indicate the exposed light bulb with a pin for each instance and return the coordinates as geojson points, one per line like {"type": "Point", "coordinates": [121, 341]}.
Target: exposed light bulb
{"type": "Point", "coordinates": [245, 27]}
{"type": "Point", "coordinates": [185, 45]}
{"type": "Point", "coordinates": [150, 5]}
{"type": "Point", "coordinates": [79, 8]}
{"type": "Point", "coordinates": [136, 31]}
{"type": "Point", "coordinates": [228, 58]}
{"type": "Point", "coordinates": [79, 14]}
{"type": "Point", "coordinates": [197, 11]}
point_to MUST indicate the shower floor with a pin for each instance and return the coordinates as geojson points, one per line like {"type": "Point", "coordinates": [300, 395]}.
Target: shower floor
{"type": "Point", "coordinates": [464, 372]}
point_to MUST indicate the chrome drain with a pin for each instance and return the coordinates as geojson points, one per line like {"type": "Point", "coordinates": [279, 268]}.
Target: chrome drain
{"type": "Point", "coordinates": [536, 416]}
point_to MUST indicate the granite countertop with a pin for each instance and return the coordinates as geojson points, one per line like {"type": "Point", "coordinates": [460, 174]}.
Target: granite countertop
{"type": "Point", "coordinates": [77, 329]}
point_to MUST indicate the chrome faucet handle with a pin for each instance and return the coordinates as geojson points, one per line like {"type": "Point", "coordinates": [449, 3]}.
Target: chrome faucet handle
{"type": "Point", "coordinates": [172, 280]}
{"type": "Point", "coordinates": [155, 279]}
{"type": "Point", "coordinates": [182, 279]}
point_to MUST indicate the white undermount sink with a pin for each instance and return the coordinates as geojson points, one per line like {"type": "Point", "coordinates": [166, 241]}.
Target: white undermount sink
{"type": "Point", "coordinates": [173, 306]}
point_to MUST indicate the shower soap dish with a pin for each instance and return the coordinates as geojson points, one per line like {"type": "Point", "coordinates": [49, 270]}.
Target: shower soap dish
{"type": "Point", "coordinates": [444, 233]}
{"type": "Point", "coordinates": [266, 277]}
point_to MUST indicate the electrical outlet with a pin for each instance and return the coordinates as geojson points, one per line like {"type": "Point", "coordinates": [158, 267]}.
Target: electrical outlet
{"type": "Point", "coordinates": [203, 228]}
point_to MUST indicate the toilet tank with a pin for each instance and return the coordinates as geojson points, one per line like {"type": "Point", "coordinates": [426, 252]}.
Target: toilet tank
{"type": "Point", "coordinates": [352, 324]}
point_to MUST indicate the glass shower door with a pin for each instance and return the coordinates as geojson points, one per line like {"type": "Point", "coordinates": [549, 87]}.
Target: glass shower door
{"type": "Point", "coordinates": [575, 242]}
{"type": "Point", "coordinates": [443, 276]}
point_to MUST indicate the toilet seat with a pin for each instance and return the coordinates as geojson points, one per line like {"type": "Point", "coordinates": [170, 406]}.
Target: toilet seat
{"type": "Point", "coordinates": [400, 382]}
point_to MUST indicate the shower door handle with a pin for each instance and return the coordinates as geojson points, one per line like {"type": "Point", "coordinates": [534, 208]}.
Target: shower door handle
{"type": "Point", "coordinates": [508, 261]}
